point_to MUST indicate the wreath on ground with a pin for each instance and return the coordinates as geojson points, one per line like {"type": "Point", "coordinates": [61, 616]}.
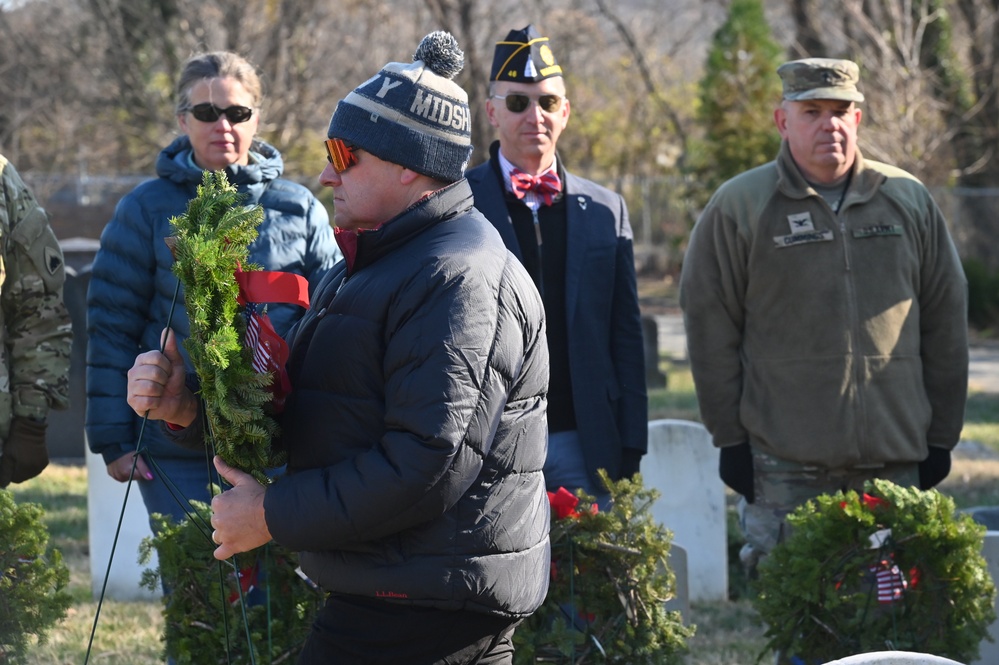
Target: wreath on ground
{"type": "Point", "coordinates": [893, 568]}
{"type": "Point", "coordinates": [32, 582]}
{"type": "Point", "coordinates": [610, 580]}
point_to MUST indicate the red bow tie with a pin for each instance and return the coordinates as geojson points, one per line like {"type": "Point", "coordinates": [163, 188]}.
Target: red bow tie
{"type": "Point", "coordinates": [547, 185]}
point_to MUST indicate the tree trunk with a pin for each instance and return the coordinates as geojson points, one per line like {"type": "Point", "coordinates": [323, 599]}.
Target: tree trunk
{"type": "Point", "coordinates": [808, 43]}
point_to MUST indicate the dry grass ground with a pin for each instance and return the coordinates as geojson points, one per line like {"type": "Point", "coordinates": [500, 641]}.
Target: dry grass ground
{"type": "Point", "coordinates": [127, 633]}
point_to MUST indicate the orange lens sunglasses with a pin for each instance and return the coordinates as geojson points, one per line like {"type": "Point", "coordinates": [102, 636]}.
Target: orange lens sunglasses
{"type": "Point", "coordinates": [340, 154]}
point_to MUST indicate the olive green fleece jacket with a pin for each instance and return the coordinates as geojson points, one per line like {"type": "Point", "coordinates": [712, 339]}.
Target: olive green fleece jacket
{"type": "Point", "coordinates": [829, 339]}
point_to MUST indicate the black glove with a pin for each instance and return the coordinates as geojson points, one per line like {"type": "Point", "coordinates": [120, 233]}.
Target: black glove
{"type": "Point", "coordinates": [24, 452]}
{"type": "Point", "coordinates": [735, 467]}
{"type": "Point", "coordinates": [630, 461]}
{"type": "Point", "coordinates": [934, 468]}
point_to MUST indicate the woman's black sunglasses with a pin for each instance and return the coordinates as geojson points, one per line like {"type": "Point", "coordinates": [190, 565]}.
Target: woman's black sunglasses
{"type": "Point", "coordinates": [208, 112]}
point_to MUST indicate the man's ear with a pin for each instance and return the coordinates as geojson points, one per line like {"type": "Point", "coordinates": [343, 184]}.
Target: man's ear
{"type": "Point", "coordinates": [565, 112]}
{"type": "Point", "coordinates": [780, 119]}
{"type": "Point", "coordinates": [408, 176]}
{"type": "Point", "coordinates": [491, 113]}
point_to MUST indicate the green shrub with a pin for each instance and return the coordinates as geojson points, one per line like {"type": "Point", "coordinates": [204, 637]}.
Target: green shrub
{"type": "Point", "coordinates": [610, 580]}
{"type": "Point", "coordinates": [819, 591]}
{"type": "Point", "coordinates": [983, 295]}
{"type": "Point", "coordinates": [32, 585]}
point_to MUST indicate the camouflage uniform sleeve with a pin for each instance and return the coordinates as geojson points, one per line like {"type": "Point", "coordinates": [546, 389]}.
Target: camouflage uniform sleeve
{"type": "Point", "coordinates": [36, 325]}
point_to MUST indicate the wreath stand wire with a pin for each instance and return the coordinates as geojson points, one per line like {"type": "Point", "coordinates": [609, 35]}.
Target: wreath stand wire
{"type": "Point", "coordinates": [124, 503]}
{"type": "Point", "coordinates": [193, 516]}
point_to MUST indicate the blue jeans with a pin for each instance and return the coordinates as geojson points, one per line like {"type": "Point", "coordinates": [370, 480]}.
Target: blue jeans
{"type": "Point", "coordinates": [566, 467]}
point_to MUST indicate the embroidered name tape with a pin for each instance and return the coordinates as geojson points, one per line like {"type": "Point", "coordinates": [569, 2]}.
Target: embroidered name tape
{"type": "Point", "coordinates": [795, 239]}
{"type": "Point", "coordinates": [878, 231]}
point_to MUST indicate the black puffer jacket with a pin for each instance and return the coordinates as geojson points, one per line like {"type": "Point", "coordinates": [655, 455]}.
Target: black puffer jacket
{"type": "Point", "coordinates": [416, 426]}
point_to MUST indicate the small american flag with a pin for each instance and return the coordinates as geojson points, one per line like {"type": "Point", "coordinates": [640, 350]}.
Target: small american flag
{"type": "Point", "coordinates": [890, 582]}
{"type": "Point", "coordinates": [261, 348]}
{"type": "Point", "coordinates": [247, 578]}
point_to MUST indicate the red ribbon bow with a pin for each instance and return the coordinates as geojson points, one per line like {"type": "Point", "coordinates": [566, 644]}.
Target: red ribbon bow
{"type": "Point", "coordinates": [564, 502]}
{"type": "Point", "coordinates": [870, 502]}
{"type": "Point", "coordinates": [547, 185]}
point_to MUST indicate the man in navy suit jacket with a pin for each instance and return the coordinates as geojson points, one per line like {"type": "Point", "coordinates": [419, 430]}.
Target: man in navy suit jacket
{"type": "Point", "coordinates": [574, 238]}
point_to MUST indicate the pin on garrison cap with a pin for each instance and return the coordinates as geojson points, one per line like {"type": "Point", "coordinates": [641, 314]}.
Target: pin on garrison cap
{"type": "Point", "coordinates": [820, 78]}
{"type": "Point", "coordinates": [524, 56]}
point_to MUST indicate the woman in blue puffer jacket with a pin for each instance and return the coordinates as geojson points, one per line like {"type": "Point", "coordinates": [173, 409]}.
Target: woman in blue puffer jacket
{"type": "Point", "coordinates": [132, 287]}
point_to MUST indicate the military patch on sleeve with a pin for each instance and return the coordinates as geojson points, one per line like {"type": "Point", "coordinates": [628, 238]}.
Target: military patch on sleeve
{"type": "Point", "coordinates": [878, 230]}
{"type": "Point", "coordinates": [53, 259]}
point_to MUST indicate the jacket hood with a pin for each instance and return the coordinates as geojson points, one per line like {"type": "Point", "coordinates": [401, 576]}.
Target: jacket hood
{"type": "Point", "coordinates": [266, 164]}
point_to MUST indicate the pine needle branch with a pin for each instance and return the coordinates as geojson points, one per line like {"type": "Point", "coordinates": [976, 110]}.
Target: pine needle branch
{"type": "Point", "coordinates": [211, 244]}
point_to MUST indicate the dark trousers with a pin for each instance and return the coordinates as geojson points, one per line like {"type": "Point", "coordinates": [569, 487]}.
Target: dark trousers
{"type": "Point", "coordinates": [360, 631]}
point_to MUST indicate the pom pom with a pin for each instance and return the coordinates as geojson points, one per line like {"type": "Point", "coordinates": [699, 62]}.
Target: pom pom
{"type": "Point", "coordinates": [440, 53]}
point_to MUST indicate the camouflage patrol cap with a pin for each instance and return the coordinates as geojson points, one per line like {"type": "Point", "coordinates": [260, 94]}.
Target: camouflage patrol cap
{"type": "Point", "coordinates": [820, 78]}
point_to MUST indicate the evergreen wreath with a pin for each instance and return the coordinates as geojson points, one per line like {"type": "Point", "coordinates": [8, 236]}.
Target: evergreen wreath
{"type": "Point", "coordinates": [204, 611]}
{"type": "Point", "coordinates": [32, 585]}
{"type": "Point", "coordinates": [892, 569]}
{"type": "Point", "coordinates": [210, 244]}
{"type": "Point", "coordinates": [609, 584]}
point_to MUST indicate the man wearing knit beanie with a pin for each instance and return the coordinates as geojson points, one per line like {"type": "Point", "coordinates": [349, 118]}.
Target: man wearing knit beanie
{"type": "Point", "coordinates": [415, 428]}
{"type": "Point", "coordinates": [412, 114]}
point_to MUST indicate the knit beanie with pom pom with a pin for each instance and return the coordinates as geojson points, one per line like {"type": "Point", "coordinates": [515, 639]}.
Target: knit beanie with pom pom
{"type": "Point", "coordinates": [413, 114]}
